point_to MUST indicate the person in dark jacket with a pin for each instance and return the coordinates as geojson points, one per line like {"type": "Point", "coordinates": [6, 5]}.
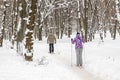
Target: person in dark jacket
{"type": "Point", "coordinates": [51, 40]}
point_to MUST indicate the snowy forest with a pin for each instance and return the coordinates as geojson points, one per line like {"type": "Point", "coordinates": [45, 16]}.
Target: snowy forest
{"type": "Point", "coordinates": [23, 21]}
{"type": "Point", "coordinates": [26, 24]}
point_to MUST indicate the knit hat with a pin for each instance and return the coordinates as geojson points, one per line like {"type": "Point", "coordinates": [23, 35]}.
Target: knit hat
{"type": "Point", "coordinates": [78, 33]}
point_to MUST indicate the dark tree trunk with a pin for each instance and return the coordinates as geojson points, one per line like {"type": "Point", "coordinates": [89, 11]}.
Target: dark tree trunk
{"type": "Point", "coordinates": [114, 30]}
{"type": "Point", "coordinates": [29, 36]}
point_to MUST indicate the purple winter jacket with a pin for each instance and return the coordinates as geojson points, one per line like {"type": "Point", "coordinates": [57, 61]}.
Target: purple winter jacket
{"type": "Point", "coordinates": [78, 41]}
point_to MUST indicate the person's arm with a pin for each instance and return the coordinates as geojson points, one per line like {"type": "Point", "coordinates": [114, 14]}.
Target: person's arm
{"type": "Point", "coordinates": [55, 38]}
{"type": "Point", "coordinates": [48, 39]}
{"type": "Point", "coordinates": [83, 40]}
{"type": "Point", "coordinates": [73, 40]}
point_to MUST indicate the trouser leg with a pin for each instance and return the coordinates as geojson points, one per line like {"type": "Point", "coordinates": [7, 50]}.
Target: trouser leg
{"type": "Point", "coordinates": [50, 48]}
{"type": "Point", "coordinates": [52, 45]}
{"type": "Point", "coordinates": [79, 56]}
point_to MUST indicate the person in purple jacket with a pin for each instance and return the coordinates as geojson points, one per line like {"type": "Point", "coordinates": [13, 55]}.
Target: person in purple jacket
{"type": "Point", "coordinates": [78, 41]}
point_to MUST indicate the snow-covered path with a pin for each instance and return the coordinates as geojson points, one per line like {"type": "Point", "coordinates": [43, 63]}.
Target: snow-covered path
{"type": "Point", "coordinates": [81, 73]}
{"type": "Point", "coordinates": [13, 67]}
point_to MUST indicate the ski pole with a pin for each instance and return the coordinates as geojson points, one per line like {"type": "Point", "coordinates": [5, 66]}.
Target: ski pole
{"type": "Point", "coordinates": [71, 54]}
{"type": "Point", "coordinates": [84, 53]}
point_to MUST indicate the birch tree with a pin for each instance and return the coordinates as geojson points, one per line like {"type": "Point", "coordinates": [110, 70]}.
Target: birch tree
{"type": "Point", "coordinates": [3, 22]}
{"type": "Point", "coordinates": [21, 25]}
{"type": "Point", "coordinates": [29, 31]}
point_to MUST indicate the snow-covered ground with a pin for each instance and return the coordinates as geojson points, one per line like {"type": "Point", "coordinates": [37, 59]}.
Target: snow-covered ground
{"type": "Point", "coordinates": [101, 62]}
{"type": "Point", "coordinates": [103, 59]}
